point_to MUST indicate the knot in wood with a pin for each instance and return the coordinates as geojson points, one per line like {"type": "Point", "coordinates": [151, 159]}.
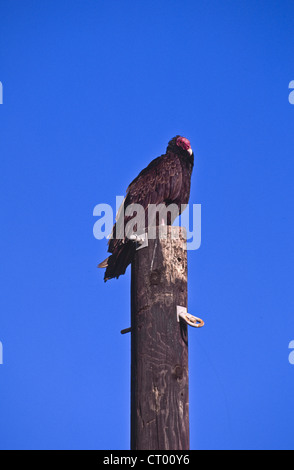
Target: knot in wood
{"type": "Point", "coordinates": [154, 278]}
{"type": "Point", "coordinates": [178, 372]}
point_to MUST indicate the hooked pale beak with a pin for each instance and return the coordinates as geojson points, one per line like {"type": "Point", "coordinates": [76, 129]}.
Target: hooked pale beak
{"type": "Point", "coordinates": [190, 151]}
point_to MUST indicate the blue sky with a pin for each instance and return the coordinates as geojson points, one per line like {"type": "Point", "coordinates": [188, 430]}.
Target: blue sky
{"type": "Point", "coordinates": [92, 91]}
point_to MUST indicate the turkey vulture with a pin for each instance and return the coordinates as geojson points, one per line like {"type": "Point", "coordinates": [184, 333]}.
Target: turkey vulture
{"type": "Point", "coordinates": [166, 180]}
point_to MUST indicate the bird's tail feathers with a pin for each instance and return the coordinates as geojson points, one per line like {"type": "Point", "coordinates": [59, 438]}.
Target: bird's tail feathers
{"type": "Point", "coordinates": [104, 263]}
{"type": "Point", "coordinates": [117, 263]}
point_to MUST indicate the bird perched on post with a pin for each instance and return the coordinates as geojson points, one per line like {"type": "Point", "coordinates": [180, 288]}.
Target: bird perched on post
{"type": "Point", "coordinates": [166, 180]}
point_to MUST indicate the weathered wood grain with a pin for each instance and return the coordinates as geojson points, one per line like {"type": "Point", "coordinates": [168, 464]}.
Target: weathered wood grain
{"type": "Point", "coordinates": [159, 346]}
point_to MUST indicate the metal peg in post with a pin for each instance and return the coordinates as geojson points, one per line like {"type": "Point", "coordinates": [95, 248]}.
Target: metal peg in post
{"type": "Point", "coordinates": [140, 239]}
{"type": "Point", "coordinates": [188, 318]}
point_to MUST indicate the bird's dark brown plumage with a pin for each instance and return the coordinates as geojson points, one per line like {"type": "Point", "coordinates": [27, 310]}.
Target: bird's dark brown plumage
{"type": "Point", "coordinates": [165, 180]}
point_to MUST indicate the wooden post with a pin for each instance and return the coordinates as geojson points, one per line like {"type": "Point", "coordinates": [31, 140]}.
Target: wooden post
{"type": "Point", "coordinates": [159, 345]}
